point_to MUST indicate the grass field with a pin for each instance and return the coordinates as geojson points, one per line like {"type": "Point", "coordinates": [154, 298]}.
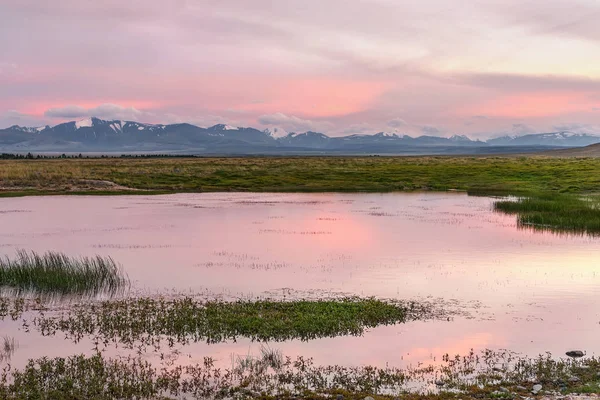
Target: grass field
{"type": "Point", "coordinates": [300, 174]}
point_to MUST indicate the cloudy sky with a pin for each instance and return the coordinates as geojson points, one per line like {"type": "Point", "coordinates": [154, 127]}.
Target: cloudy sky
{"type": "Point", "coordinates": [440, 67]}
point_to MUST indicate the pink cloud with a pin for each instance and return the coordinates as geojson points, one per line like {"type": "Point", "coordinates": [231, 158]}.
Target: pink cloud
{"type": "Point", "coordinates": [532, 105]}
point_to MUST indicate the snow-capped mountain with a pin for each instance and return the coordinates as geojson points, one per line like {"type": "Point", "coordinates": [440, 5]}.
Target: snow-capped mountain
{"type": "Point", "coordinates": [311, 140]}
{"type": "Point", "coordinates": [276, 132]}
{"type": "Point", "coordinates": [558, 139]}
{"type": "Point", "coordinates": [96, 134]}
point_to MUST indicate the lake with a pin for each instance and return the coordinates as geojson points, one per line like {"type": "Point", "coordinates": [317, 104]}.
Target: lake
{"type": "Point", "coordinates": [511, 288]}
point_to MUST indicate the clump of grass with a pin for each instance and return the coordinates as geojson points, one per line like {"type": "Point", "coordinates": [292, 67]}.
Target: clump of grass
{"type": "Point", "coordinates": [555, 212]}
{"type": "Point", "coordinates": [269, 358]}
{"type": "Point", "coordinates": [8, 346]}
{"type": "Point", "coordinates": [147, 321]}
{"type": "Point", "coordinates": [57, 273]}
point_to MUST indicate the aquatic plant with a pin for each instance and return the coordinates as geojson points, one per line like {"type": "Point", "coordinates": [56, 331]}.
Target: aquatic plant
{"type": "Point", "coordinates": [8, 346]}
{"type": "Point", "coordinates": [474, 376]}
{"type": "Point", "coordinates": [563, 213]}
{"type": "Point", "coordinates": [148, 321]}
{"type": "Point", "coordinates": [57, 273]}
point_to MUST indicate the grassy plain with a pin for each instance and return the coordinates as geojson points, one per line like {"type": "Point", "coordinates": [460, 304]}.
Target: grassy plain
{"type": "Point", "coordinates": [299, 174]}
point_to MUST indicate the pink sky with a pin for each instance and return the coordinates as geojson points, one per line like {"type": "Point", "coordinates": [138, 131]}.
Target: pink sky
{"type": "Point", "coordinates": [481, 68]}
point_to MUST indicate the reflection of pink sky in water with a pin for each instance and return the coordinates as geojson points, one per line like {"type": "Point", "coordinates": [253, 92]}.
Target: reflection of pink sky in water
{"type": "Point", "coordinates": [540, 290]}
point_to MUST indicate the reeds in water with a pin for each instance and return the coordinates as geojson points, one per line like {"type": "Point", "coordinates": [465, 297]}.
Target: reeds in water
{"type": "Point", "coordinates": [556, 212]}
{"type": "Point", "coordinates": [57, 273]}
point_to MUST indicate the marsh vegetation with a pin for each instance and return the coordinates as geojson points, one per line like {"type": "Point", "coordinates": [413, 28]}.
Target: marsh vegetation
{"type": "Point", "coordinates": [8, 346]}
{"type": "Point", "coordinates": [473, 376]}
{"type": "Point", "coordinates": [148, 321]}
{"type": "Point", "coordinates": [54, 273]}
{"type": "Point", "coordinates": [555, 212]}
{"type": "Point", "coordinates": [152, 345]}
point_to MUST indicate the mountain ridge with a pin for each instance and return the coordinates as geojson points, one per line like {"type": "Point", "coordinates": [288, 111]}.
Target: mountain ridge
{"type": "Point", "coordinates": [99, 134]}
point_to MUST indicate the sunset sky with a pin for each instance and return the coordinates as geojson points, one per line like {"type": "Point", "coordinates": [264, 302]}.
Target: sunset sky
{"type": "Point", "coordinates": [480, 67]}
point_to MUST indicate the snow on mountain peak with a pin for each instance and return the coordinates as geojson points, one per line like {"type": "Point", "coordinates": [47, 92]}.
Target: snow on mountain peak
{"type": "Point", "coordinates": [84, 123]}
{"type": "Point", "coordinates": [459, 138]}
{"type": "Point", "coordinates": [276, 132]}
{"type": "Point", "coordinates": [117, 126]}
{"type": "Point", "coordinates": [386, 134]}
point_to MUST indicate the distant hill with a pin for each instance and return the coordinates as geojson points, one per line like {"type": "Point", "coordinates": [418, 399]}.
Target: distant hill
{"type": "Point", "coordinates": [98, 135]}
{"type": "Point", "coordinates": [559, 139]}
{"type": "Point", "coordinates": [592, 150]}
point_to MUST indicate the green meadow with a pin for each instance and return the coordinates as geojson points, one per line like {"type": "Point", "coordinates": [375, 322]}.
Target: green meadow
{"type": "Point", "coordinates": [300, 174]}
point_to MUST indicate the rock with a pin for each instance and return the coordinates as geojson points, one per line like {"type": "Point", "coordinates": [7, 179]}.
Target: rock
{"type": "Point", "coordinates": [504, 390]}
{"type": "Point", "coordinates": [574, 379]}
{"type": "Point", "coordinates": [521, 388]}
{"type": "Point", "coordinates": [575, 353]}
{"type": "Point", "coordinates": [536, 389]}
{"type": "Point", "coordinates": [439, 383]}
{"type": "Point", "coordinates": [340, 397]}
{"type": "Point", "coordinates": [369, 398]}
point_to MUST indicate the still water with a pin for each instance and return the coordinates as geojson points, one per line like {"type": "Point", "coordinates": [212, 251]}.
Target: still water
{"type": "Point", "coordinates": [526, 291]}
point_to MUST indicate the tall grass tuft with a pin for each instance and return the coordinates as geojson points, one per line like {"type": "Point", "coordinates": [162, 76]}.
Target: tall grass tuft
{"type": "Point", "coordinates": [556, 212]}
{"type": "Point", "coordinates": [57, 273]}
{"type": "Point", "coordinates": [7, 348]}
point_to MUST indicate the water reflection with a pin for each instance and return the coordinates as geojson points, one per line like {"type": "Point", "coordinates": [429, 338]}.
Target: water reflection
{"type": "Point", "coordinates": [540, 291]}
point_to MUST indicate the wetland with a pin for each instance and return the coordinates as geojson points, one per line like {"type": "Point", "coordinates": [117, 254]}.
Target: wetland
{"type": "Point", "coordinates": [274, 295]}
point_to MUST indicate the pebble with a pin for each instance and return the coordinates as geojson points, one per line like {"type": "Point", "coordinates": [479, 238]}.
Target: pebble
{"type": "Point", "coordinates": [575, 353]}
{"type": "Point", "coordinates": [369, 398]}
{"type": "Point", "coordinates": [504, 390]}
{"type": "Point", "coordinates": [574, 379]}
{"type": "Point", "coordinates": [521, 388]}
{"type": "Point", "coordinates": [439, 383]}
{"type": "Point", "coordinates": [340, 397]}
{"type": "Point", "coordinates": [536, 389]}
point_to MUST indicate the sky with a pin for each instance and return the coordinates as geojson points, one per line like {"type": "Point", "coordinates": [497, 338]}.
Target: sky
{"type": "Point", "coordinates": [483, 68]}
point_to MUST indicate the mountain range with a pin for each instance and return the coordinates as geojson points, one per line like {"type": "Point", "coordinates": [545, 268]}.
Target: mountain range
{"type": "Point", "coordinates": [94, 134]}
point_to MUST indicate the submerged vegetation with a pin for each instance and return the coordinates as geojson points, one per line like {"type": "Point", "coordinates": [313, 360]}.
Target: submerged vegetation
{"type": "Point", "coordinates": [488, 375]}
{"type": "Point", "coordinates": [54, 273]}
{"type": "Point", "coordinates": [555, 212]}
{"type": "Point", "coordinates": [147, 321]}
